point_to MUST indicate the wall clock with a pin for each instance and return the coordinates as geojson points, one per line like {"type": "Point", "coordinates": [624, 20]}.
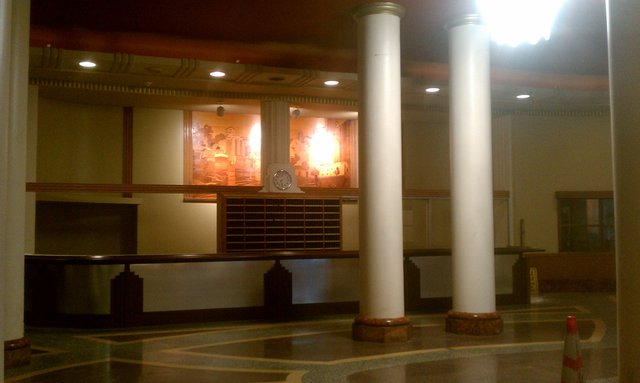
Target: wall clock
{"type": "Point", "coordinates": [282, 179]}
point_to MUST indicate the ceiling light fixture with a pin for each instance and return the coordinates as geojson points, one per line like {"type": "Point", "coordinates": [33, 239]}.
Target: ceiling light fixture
{"type": "Point", "coordinates": [514, 22]}
{"type": "Point", "coordinates": [523, 96]}
{"type": "Point", "coordinates": [87, 64]}
{"type": "Point", "coordinates": [217, 74]}
{"type": "Point", "coordinates": [432, 89]}
{"type": "Point", "coordinates": [331, 82]}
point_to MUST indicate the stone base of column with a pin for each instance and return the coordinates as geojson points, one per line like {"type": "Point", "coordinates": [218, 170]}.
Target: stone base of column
{"type": "Point", "coordinates": [17, 352]}
{"type": "Point", "coordinates": [384, 330]}
{"type": "Point", "coordinates": [474, 324]}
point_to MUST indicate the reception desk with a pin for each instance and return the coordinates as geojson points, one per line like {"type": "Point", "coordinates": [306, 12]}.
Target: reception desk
{"type": "Point", "coordinates": [132, 290]}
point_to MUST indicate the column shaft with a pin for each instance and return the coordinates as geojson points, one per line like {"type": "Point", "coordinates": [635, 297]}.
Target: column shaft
{"type": "Point", "coordinates": [14, 45]}
{"type": "Point", "coordinates": [274, 156]}
{"type": "Point", "coordinates": [274, 122]}
{"type": "Point", "coordinates": [5, 96]}
{"type": "Point", "coordinates": [471, 180]}
{"type": "Point", "coordinates": [380, 162]}
{"type": "Point", "coordinates": [624, 75]}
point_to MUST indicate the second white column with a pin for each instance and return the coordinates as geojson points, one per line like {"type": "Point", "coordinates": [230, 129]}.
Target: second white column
{"type": "Point", "coordinates": [474, 310]}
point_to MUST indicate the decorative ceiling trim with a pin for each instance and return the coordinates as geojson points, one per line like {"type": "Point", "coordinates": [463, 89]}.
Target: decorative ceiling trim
{"type": "Point", "coordinates": [150, 91]}
{"type": "Point", "coordinates": [51, 57]}
{"type": "Point", "coordinates": [122, 62]}
{"type": "Point", "coordinates": [600, 112]}
{"type": "Point", "coordinates": [187, 67]}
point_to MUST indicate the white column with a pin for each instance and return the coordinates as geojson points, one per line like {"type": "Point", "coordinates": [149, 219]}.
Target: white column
{"type": "Point", "coordinates": [471, 179]}
{"type": "Point", "coordinates": [14, 45]}
{"type": "Point", "coordinates": [5, 94]}
{"type": "Point", "coordinates": [380, 162]}
{"type": "Point", "coordinates": [624, 80]}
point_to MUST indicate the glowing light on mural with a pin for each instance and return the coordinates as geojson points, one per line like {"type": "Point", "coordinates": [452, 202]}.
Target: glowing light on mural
{"type": "Point", "coordinates": [323, 146]}
{"type": "Point", "coordinates": [255, 140]}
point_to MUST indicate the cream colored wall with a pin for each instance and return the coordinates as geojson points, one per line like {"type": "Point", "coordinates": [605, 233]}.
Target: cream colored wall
{"type": "Point", "coordinates": [556, 153]}
{"type": "Point", "coordinates": [79, 142]}
{"type": "Point", "coordinates": [350, 226]}
{"type": "Point", "coordinates": [166, 224]}
{"type": "Point", "coordinates": [425, 156]}
{"type": "Point", "coordinates": [426, 167]}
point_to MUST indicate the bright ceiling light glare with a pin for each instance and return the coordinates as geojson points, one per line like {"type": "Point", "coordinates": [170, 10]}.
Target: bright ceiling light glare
{"type": "Point", "coordinates": [87, 64]}
{"type": "Point", "coordinates": [432, 90]}
{"type": "Point", "coordinates": [331, 82]}
{"type": "Point", "coordinates": [523, 96]}
{"type": "Point", "coordinates": [217, 74]}
{"type": "Point", "coordinates": [515, 22]}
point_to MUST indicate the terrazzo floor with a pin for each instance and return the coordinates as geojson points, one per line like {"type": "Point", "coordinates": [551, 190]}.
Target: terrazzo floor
{"type": "Point", "coordinates": [530, 349]}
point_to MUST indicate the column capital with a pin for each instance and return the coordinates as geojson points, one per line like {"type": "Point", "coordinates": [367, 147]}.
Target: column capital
{"type": "Point", "coordinates": [378, 8]}
{"type": "Point", "coordinates": [465, 19]}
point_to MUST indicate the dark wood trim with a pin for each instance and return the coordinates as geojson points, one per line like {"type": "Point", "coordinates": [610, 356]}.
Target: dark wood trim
{"type": "Point", "coordinates": [585, 194]}
{"type": "Point", "coordinates": [139, 259]}
{"type": "Point", "coordinates": [424, 193]}
{"type": "Point", "coordinates": [54, 319]}
{"type": "Point", "coordinates": [346, 193]}
{"type": "Point", "coordinates": [127, 148]}
{"type": "Point", "coordinates": [187, 157]}
{"type": "Point", "coordinates": [278, 222]}
{"type": "Point", "coordinates": [43, 187]}
{"type": "Point", "coordinates": [569, 254]}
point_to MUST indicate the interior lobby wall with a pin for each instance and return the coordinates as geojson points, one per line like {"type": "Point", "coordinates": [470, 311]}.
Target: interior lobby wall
{"type": "Point", "coordinates": [78, 142]}
{"type": "Point", "coordinates": [425, 156]}
{"type": "Point", "coordinates": [556, 153]}
{"type": "Point", "coordinates": [83, 143]}
{"type": "Point", "coordinates": [166, 224]}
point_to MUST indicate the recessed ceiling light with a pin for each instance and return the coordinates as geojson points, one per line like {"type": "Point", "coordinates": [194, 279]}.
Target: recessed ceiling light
{"type": "Point", "coordinates": [523, 96]}
{"type": "Point", "coordinates": [331, 82]}
{"type": "Point", "coordinates": [87, 64]}
{"type": "Point", "coordinates": [432, 90]}
{"type": "Point", "coordinates": [217, 74]}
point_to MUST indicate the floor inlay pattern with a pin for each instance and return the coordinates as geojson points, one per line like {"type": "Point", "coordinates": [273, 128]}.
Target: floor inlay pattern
{"type": "Point", "coordinates": [528, 350]}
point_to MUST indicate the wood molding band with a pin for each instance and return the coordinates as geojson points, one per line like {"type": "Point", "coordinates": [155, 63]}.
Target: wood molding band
{"type": "Point", "coordinates": [127, 147]}
{"type": "Point", "coordinates": [68, 187]}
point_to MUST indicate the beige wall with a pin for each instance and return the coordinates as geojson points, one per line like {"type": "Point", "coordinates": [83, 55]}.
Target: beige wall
{"type": "Point", "coordinates": [79, 142]}
{"type": "Point", "coordinates": [427, 222]}
{"type": "Point", "coordinates": [166, 224]}
{"type": "Point", "coordinates": [425, 156]}
{"type": "Point", "coordinates": [556, 153]}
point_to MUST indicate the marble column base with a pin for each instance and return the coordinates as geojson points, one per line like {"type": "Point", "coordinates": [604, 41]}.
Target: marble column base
{"type": "Point", "coordinates": [383, 330]}
{"type": "Point", "coordinates": [474, 324]}
{"type": "Point", "coordinates": [17, 352]}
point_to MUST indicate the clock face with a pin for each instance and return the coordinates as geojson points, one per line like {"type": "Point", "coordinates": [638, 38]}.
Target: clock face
{"type": "Point", "coordinates": [282, 179]}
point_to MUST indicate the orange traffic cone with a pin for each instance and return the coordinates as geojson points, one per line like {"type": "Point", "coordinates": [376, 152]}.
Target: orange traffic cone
{"type": "Point", "coordinates": [572, 362]}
